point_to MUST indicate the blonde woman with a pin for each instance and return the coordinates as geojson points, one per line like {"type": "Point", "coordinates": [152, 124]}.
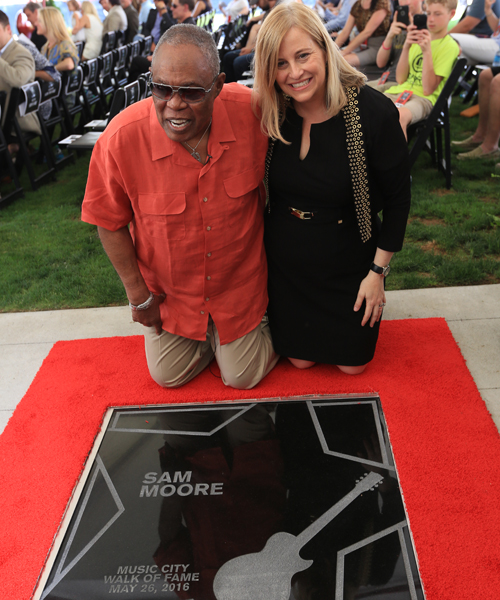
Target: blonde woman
{"type": "Point", "coordinates": [59, 49]}
{"type": "Point", "coordinates": [77, 33]}
{"type": "Point", "coordinates": [91, 24]}
{"type": "Point", "coordinates": [327, 252]}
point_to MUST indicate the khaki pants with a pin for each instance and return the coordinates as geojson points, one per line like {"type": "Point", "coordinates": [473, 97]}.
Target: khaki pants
{"type": "Point", "coordinates": [419, 107]}
{"type": "Point", "coordinates": [174, 360]}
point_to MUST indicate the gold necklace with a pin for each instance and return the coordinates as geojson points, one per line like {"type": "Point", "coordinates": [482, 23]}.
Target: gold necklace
{"type": "Point", "coordinates": [195, 154]}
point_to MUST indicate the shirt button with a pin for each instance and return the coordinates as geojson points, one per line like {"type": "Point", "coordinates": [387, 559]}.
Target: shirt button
{"type": "Point", "coordinates": [207, 299]}
{"type": "Point", "coordinates": [209, 254]}
{"type": "Point", "coordinates": [205, 199]}
{"type": "Point", "coordinates": [208, 277]}
{"type": "Point", "coordinates": [209, 228]}
{"type": "Point", "coordinates": [202, 312]}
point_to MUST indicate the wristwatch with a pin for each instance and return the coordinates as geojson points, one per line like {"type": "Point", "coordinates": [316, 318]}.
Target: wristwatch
{"type": "Point", "coordinates": [381, 270]}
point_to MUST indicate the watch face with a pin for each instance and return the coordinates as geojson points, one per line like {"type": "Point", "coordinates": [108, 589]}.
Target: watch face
{"type": "Point", "coordinates": [386, 270]}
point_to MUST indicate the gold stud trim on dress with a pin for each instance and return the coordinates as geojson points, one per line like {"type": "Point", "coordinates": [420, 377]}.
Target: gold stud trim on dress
{"type": "Point", "coordinates": [357, 164]}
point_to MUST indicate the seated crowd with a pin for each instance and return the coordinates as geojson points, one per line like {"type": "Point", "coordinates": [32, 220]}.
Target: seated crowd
{"type": "Point", "coordinates": [404, 56]}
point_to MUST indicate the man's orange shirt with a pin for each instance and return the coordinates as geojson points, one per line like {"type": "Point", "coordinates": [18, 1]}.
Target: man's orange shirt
{"type": "Point", "coordinates": [197, 229]}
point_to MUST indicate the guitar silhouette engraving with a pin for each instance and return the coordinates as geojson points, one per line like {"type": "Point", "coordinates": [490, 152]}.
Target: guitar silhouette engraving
{"type": "Point", "coordinates": [268, 573]}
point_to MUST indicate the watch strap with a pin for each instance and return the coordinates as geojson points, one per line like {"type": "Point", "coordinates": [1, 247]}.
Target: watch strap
{"type": "Point", "coordinates": [380, 270]}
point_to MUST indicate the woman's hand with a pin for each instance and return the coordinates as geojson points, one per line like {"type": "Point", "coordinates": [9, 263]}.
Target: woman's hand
{"type": "Point", "coordinates": [372, 292]}
{"type": "Point", "coordinates": [396, 28]}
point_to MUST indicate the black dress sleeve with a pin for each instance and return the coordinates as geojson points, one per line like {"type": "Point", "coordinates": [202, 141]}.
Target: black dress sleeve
{"type": "Point", "coordinates": [388, 166]}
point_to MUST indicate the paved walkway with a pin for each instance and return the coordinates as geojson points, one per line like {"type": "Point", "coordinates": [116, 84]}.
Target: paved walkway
{"type": "Point", "coordinates": [472, 313]}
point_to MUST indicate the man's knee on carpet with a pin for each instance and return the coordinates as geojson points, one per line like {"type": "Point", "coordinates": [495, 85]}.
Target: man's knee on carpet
{"type": "Point", "coordinates": [174, 360]}
{"type": "Point", "coordinates": [246, 361]}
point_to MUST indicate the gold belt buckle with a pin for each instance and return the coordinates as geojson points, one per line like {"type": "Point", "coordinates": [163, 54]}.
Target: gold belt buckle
{"type": "Point", "coordinates": [300, 214]}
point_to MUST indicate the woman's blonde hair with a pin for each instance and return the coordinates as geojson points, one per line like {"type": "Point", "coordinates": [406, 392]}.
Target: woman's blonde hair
{"type": "Point", "coordinates": [54, 23]}
{"type": "Point", "coordinates": [339, 73]}
{"type": "Point", "coordinates": [89, 9]}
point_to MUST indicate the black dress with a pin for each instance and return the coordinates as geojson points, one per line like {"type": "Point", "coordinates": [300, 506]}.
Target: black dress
{"type": "Point", "coordinates": [317, 265]}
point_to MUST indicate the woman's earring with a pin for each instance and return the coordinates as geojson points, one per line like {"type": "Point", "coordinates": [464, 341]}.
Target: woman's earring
{"type": "Point", "coordinates": [287, 97]}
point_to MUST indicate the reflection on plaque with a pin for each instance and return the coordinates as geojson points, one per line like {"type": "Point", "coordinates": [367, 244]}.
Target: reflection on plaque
{"type": "Point", "coordinates": [288, 500]}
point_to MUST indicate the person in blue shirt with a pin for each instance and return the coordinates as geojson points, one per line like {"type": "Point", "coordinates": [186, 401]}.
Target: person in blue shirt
{"type": "Point", "coordinates": [335, 21]}
{"type": "Point", "coordinates": [475, 21]}
{"type": "Point", "coordinates": [146, 6]}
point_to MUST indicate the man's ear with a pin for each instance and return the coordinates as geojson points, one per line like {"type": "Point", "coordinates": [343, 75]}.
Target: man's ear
{"type": "Point", "coordinates": [219, 83]}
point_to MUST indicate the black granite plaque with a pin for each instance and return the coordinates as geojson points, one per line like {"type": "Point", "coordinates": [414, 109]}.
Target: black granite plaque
{"type": "Point", "coordinates": [287, 500]}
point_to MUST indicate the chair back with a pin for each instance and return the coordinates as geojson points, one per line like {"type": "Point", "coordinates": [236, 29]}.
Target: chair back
{"type": "Point", "coordinates": [144, 91]}
{"type": "Point", "coordinates": [79, 48]}
{"type": "Point", "coordinates": [135, 50]}
{"type": "Point", "coordinates": [90, 71]}
{"type": "Point", "coordinates": [108, 42]}
{"type": "Point", "coordinates": [73, 81]}
{"type": "Point", "coordinates": [106, 61]}
{"type": "Point", "coordinates": [427, 133]}
{"type": "Point", "coordinates": [30, 98]}
{"type": "Point", "coordinates": [120, 38]}
{"type": "Point", "coordinates": [121, 55]}
{"type": "Point", "coordinates": [124, 97]}
{"type": "Point", "coordinates": [50, 90]}
{"type": "Point", "coordinates": [132, 93]}
{"type": "Point", "coordinates": [148, 40]}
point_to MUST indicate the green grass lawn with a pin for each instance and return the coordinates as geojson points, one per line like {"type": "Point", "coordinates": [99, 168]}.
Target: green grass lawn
{"type": "Point", "coordinates": [51, 260]}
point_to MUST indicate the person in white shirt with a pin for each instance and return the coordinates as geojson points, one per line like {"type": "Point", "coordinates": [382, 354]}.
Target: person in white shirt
{"type": "Point", "coordinates": [235, 8]}
{"type": "Point", "coordinates": [91, 24]}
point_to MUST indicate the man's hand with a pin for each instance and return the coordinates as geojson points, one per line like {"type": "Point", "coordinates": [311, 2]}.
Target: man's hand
{"type": "Point", "coordinates": [425, 41]}
{"type": "Point", "coordinates": [245, 51]}
{"type": "Point", "coordinates": [151, 316]}
{"type": "Point", "coordinates": [412, 37]}
{"type": "Point", "coordinates": [372, 291]}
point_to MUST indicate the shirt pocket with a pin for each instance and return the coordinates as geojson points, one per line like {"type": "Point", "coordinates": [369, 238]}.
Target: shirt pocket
{"type": "Point", "coordinates": [163, 215]}
{"type": "Point", "coordinates": [241, 190]}
{"type": "Point", "coordinates": [239, 187]}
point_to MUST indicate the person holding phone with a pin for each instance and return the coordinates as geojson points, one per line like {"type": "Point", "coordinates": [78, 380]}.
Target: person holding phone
{"type": "Point", "coordinates": [372, 19]}
{"type": "Point", "coordinates": [426, 61]}
{"type": "Point", "coordinates": [391, 48]}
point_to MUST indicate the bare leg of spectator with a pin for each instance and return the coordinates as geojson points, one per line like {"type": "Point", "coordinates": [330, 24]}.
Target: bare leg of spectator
{"type": "Point", "coordinates": [485, 79]}
{"type": "Point", "coordinates": [404, 118]}
{"type": "Point", "coordinates": [352, 59]}
{"type": "Point", "coordinates": [492, 133]}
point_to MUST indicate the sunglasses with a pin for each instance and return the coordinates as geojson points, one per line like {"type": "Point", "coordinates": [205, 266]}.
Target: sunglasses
{"type": "Point", "coordinates": [190, 95]}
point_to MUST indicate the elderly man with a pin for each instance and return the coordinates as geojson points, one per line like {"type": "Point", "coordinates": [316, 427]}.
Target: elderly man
{"type": "Point", "coordinates": [17, 67]}
{"type": "Point", "coordinates": [159, 22]}
{"type": "Point", "coordinates": [31, 11]}
{"type": "Point", "coordinates": [116, 19]}
{"type": "Point", "coordinates": [184, 168]}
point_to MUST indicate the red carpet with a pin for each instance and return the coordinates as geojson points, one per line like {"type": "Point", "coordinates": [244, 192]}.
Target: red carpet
{"type": "Point", "coordinates": [446, 446]}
